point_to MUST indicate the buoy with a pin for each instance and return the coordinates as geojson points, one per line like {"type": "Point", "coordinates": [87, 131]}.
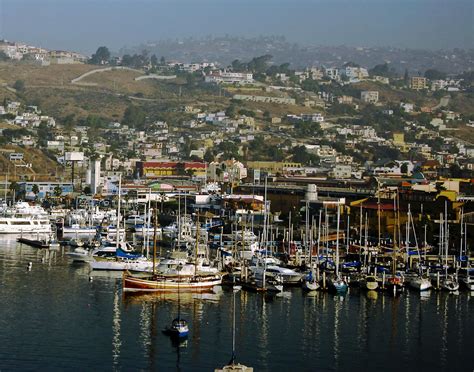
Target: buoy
{"type": "Point", "coordinates": [91, 278]}
{"type": "Point", "coordinates": [30, 265]}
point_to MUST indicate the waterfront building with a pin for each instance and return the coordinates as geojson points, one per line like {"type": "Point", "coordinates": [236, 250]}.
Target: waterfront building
{"type": "Point", "coordinates": [45, 189]}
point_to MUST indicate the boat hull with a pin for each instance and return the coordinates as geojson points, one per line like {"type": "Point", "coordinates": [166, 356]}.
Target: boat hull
{"type": "Point", "coordinates": [420, 284]}
{"type": "Point", "coordinates": [113, 265]}
{"type": "Point", "coordinates": [164, 284]}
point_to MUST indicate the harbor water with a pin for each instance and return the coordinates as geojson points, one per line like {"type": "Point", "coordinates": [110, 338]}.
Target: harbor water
{"type": "Point", "coordinates": [60, 316]}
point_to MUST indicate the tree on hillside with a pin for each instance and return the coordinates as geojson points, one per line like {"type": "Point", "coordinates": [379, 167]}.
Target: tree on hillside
{"type": "Point", "coordinates": [135, 117]}
{"type": "Point", "coordinates": [208, 155]}
{"type": "Point", "coordinates": [19, 85]}
{"type": "Point", "coordinates": [383, 70]}
{"type": "Point", "coordinates": [301, 155]}
{"type": "Point", "coordinates": [101, 56]}
{"type": "Point", "coordinates": [154, 60]}
{"type": "Point", "coordinates": [433, 74]}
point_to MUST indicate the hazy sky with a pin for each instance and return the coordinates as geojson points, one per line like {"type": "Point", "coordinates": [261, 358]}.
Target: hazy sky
{"type": "Point", "coordinates": [83, 25]}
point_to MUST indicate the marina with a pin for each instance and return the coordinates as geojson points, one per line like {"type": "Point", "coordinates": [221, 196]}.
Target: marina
{"type": "Point", "coordinates": [87, 312]}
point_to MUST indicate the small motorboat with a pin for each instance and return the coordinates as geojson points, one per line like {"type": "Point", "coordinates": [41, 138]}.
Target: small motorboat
{"type": "Point", "coordinates": [369, 282]}
{"type": "Point", "coordinates": [179, 328]}
{"type": "Point", "coordinates": [338, 284]}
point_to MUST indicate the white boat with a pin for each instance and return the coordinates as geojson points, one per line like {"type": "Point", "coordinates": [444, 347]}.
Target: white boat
{"type": "Point", "coordinates": [135, 219]}
{"type": "Point", "coordinates": [288, 276]}
{"type": "Point", "coordinates": [420, 283]}
{"type": "Point", "coordinates": [119, 260]}
{"type": "Point", "coordinates": [23, 218]}
{"type": "Point", "coordinates": [76, 229]}
{"type": "Point", "coordinates": [80, 255]}
{"type": "Point", "coordinates": [450, 284]}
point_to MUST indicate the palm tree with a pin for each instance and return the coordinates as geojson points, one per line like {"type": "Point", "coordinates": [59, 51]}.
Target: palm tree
{"type": "Point", "coordinates": [58, 191]}
{"type": "Point", "coordinates": [14, 188]}
{"type": "Point", "coordinates": [35, 190]}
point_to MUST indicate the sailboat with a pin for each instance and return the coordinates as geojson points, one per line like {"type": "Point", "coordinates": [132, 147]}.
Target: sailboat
{"type": "Point", "coordinates": [338, 283]}
{"type": "Point", "coordinates": [394, 281]}
{"type": "Point", "coordinates": [233, 366]}
{"type": "Point", "coordinates": [465, 274]}
{"type": "Point", "coordinates": [195, 282]}
{"type": "Point", "coordinates": [420, 282]}
{"type": "Point", "coordinates": [449, 282]}
{"type": "Point", "coordinates": [179, 327]}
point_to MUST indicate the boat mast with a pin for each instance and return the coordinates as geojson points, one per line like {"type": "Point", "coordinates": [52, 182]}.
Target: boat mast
{"type": "Point", "coordinates": [394, 252]}
{"type": "Point", "coordinates": [337, 238]}
{"type": "Point", "coordinates": [117, 237]}
{"type": "Point", "coordinates": [196, 250]}
{"type": "Point", "coordinates": [155, 210]}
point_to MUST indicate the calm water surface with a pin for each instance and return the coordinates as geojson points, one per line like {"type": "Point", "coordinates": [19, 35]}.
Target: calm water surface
{"type": "Point", "coordinates": [54, 318]}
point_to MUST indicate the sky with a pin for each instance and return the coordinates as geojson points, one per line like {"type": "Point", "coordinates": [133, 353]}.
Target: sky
{"type": "Point", "coordinates": [83, 25]}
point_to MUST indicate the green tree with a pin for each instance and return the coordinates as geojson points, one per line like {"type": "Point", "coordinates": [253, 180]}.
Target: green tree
{"type": "Point", "coordinates": [208, 155]}
{"type": "Point", "coordinates": [19, 85]}
{"type": "Point", "coordinates": [14, 188]}
{"type": "Point", "coordinates": [87, 190]}
{"type": "Point", "coordinates": [58, 191]}
{"type": "Point", "coordinates": [301, 155]}
{"type": "Point", "coordinates": [101, 56]}
{"type": "Point", "coordinates": [231, 110]}
{"type": "Point", "coordinates": [35, 190]}
{"type": "Point", "coordinates": [135, 117]}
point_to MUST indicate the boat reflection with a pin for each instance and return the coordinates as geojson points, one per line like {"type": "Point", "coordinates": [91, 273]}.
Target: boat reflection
{"type": "Point", "coordinates": [184, 298]}
{"type": "Point", "coordinates": [372, 295]}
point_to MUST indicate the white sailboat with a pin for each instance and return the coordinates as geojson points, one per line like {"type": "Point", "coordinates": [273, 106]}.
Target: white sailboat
{"type": "Point", "coordinates": [338, 283]}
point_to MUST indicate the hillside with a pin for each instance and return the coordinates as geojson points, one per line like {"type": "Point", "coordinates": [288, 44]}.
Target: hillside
{"type": "Point", "coordinates": [42, 167]}
{"type": "Point", "coordinates": [106, 94]}
{"type": "Point", "coordinates": [389, 94]}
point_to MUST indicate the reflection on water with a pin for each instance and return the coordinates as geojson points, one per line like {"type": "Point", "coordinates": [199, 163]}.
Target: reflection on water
{"type": "Point", "coordinates": [90, 325]}
{"type": "Point", "coordinates": [116, 342]}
